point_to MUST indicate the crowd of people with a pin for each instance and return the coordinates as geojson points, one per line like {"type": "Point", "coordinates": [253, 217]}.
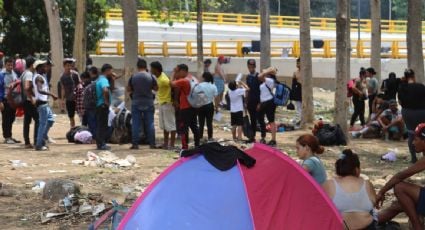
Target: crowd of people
{"type": "Point", "coordinates": [89, 96]}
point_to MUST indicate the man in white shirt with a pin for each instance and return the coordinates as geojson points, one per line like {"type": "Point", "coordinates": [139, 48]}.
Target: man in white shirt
{"type": "Point", "coordinates": [236, 96]}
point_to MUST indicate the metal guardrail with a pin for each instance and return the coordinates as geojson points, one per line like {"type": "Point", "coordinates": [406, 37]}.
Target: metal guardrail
{"type": "Point", "coordinates": [387, 26]}
{"type": "Point", "coordinates": [395, 49]}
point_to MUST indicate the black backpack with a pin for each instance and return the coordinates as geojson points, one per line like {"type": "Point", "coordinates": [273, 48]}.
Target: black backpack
{"type": "Point", "coordinates": [122, 128]}
{"type": "Point", "coordinates": [90, 97]}
{"type": "Point", "coordinates": [330, 135]}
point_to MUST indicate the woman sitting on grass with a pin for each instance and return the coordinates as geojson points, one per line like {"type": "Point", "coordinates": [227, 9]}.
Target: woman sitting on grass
{"type": "Point", "coordinates": [308, 147]}
{"type": "Point", "coordinates": [353, 196]}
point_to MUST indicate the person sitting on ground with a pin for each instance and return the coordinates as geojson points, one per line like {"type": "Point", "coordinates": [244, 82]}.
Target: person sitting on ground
{"type": "Point", "coordinates": [410, 197]}
{"type": "Point", "coordinates": [353, 196]}
{"type": "Point", "coordinates": [308, 147]}
{"type": "Point", "coordinates": [373, 127]}
{"type": "Point", "coordinates": [392, 122]}
{"type": "Point", "coordinates": [237, 95]}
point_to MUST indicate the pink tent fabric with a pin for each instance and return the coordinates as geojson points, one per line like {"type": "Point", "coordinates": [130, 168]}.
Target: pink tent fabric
{"type": "Point", "coordinates": [275, 194]}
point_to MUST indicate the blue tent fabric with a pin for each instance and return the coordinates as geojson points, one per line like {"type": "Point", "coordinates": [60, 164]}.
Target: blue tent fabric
{"type": "Point", "coordinates": [195, 195]}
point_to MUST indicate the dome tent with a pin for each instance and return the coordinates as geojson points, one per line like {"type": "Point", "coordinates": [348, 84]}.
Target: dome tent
{"type": "Point", "coordinates": [276, 193]}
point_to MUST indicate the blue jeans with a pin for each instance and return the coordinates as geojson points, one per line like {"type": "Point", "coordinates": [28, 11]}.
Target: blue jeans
{"type": "Point", "coordinates": [45, 121]}
{"type": "Point", "coordinates": [143, 114]}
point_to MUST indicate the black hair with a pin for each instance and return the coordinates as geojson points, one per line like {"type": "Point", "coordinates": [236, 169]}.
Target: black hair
{"type": "Point", "coordinates": [347, 164]}
{"type": "Point", "coordinates": [380, 95]}
{"type": "Point", "coordinates": [298, 59]}
{"type": "Point", "coordinates": [106, 67]}
{"type": "Point", "coordinates": [392, 75]}
{"type": "Point", "coordinates": [371, 70]}
{"type": "Point", "coordinates": [85, 75]}
{"type": "Point", "coordinates": [94, 70]}
{"type": "Point", "coordinates": [362, 71]}
{"type": "Point", "coordinates": [30, 60]}
{"type": "Point", "coordinates": [183, 67]}
{"type": "Point", "coordinates": [208, 77]}
{"type": "Point", "coordinates": [208, 61]}
{"type": "Point", "coordinates": [8, 60]}
{"type": "Point", "coordinates": [156, 65]}
{"type": "Point", "coordinates": [232, 85]}
{"type": "Point", "coordinates": [141, 64]}
{"type": "Point", "coordinates": [409, 73]}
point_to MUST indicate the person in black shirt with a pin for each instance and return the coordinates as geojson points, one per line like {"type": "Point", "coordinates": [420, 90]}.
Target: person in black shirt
{"type": "Point", "coordinates": [296, 90]}
{"type": "Point", "coordinates": [390, 86]}
{"type": "Point", "coordinates": [253, 95]}
{"type": "Point", "coordinates": [411, 96]}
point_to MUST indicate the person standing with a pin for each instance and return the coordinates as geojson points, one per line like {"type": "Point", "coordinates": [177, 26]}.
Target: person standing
{"type": "Point", "coordinates": [253, 97]}
{"type": "Point", "coordinates": [187, 114]}
{"type": "Point", "coordinates": [359, 97]}
{"type": "Point", "coordinates": [411, 96]}
{"type": "Point", "coordinates": [140, 87]}
{"type": "Point", "coordinates": [30, 110]}
{"type": "Point", "coordinates": [89, 101]}
{"type": "Point", "coordinates": [41, 94]}
{"type": "Point", "coordinates": [167, 118]}
{"type": "Point", "coordinates": [267, 107]}
{"type": "Point", "coordinates": [8, 113]}
{"type": "Point", "coordinates": [103, 101]}
{"type": "Point", "coordinates": [69, 82]}
{"type": "Point", "coordinates": [207, 65]}
{"type": "Point", "coordinates": [372, 87]}
{"type": "Point", "coordinates": [219, 79]}
{"type": "Point", "coordinates": [390, 86]}
{"type": "Point", "coordinates": [237, 95]}
{"type": "Point", "coordinates": [79, 97]}
{"type": "Point", "coordinates": [296, 91]}
{"type": "Point", "coordinates": [206, 112]}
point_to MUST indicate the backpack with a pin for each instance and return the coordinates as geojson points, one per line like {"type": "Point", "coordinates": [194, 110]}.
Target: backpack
{"type": "Point", "coordinates": [89, 96]}
{"type": "Point", "coordinates": [282, 94]}
{"type": "Point", "coordinates": [197, 97]}
{"type": "Point", "coordinates": [350, 86]}
{"type": "Point", "coordinates": [122, 128]}
{"type": "Point", "coordinates": [19, 66]}
{"type": "Point", "coordinates": [14, 96]}
{"type": "Point", "coordinates": [330, 135]}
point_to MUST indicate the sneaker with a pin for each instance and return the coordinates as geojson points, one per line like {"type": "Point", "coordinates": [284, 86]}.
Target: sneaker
{"type": "Point", "coordinates": [104, 147]}
{"type": "Point", "coordinates": [134, 147]}
{"type": "Point", "coordinates": [263, 141]}
{"type": "Point", "coordinates": [29, 146]}
{"type": "Point", "coordinates": [50, 141]}
{"type": "Point", "coordinates": [356, 134]}
{"type": "Point", "coordinates": [16, 141]}
{"type": "Point", "coordinates": [9, 141]}
{"type": "Point", "coordinates": [272, 143]}
{"type": "Point", "coordinates": [44, 148]}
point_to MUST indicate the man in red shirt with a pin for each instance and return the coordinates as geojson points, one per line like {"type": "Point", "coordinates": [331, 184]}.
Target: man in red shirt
{"type": "Point", "coordinates": [186, 114]}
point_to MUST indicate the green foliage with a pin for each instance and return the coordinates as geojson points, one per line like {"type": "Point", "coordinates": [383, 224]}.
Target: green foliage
{"type": "Point", "coordinates": [26, 27]}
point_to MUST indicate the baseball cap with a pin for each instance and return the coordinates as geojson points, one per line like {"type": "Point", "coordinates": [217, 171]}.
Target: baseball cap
{"type": "Point", "coordinates": [39, 62]}
{"type": "Point", "coordinates": [251, 62]}
{"type": "Point", "coordinates": [69, 60]}
{"type": "Point", "coordinates": [221, 58]}
{"type": "Point", "coordinates": [420, 131]}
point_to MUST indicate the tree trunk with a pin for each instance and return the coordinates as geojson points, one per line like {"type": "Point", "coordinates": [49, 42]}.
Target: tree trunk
{"type": "Point", "coordinates": [342, 61]}
{"type": "Point", "coordinates": [375, 16]}
{"type": "Point", "coordinates": [56, 42]}
{"type": "Point", "coordinates": [80, 36]}
{"type": "Point", "coordinates": [131, 39]}
{"type": "Point", "coordinates": [307, 116]}
{"type": "Point", "coordinates": [199, 39]}
{"type": "Point", "coordinates": [415, 57]}
{"type": "Point", "coordinates": [265, 56]}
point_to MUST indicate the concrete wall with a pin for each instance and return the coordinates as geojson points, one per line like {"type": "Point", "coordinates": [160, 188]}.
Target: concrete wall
{"type": "Point", "coordinates": [323, 69]}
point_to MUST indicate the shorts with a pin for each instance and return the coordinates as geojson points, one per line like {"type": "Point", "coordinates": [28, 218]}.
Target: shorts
{"type": "Point", "coordinates": [420, 206]}
{"type": "Point", "coordinates": [236, 119]}
{"type": "Point", "coordinates": [269, 109]}
{"type": "Point", "coordinates": [167, 118]}
{"type": "Point", "coordinates": [219, 83]}
{"type": "Point", "coordinates": [70, 108]}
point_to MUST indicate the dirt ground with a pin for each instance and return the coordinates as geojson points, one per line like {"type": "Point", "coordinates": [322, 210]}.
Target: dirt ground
{"type": "Point", "coordinates": [22, 208]}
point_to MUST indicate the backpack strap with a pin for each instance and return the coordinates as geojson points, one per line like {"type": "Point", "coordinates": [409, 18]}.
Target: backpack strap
{"type": "Point", "coordinates": [270, 90]}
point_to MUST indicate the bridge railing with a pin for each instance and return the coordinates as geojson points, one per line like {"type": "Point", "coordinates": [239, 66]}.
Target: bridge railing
{"type": "Point", "coordinates": [388, 26]}
{"type": "Point", "coordinates": [395, 49]}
